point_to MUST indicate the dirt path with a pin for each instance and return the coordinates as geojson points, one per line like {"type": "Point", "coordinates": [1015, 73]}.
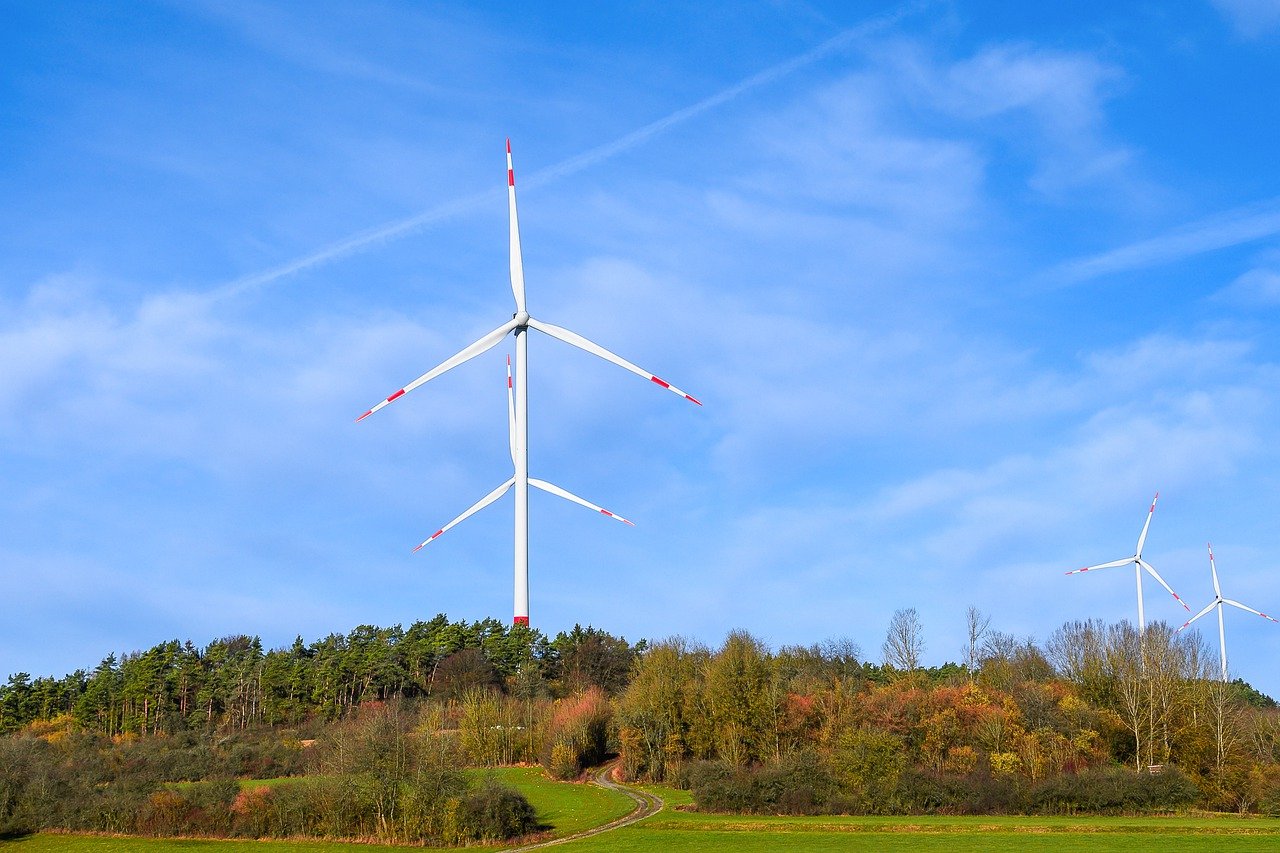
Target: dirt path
{"type": "Point", "coordinates": [646, 804]}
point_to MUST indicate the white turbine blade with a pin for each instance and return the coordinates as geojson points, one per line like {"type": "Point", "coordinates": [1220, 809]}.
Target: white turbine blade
{"type": "Point", "coordinates": [487, 342]}
{"type": "Point", "coordinates": [1142, 538]}
{"type": "Point", "coordinates": [570, 496]}
{"type": "Point", "coordinates": [595, 349]}
{"type": "Point", "coordinates": [475, 507]}
{"type": "Point", "coordinates": [1207, 608]}
{"type": "Point", "coordinates": [511, 412]}
{"type": "Point", "coordinates": [1151, 571]}
{"type": "Point", "coordinates": [1246, 607]}
{"type": "Point", "coordinates": [1217, 590]}
{"type": "Point", "coordinates": [517, 262]}
{"type": "Point", "coordinates": [1113, 564]}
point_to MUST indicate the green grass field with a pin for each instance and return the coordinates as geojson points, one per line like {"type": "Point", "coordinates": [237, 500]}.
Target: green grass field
{"type": "Point", "coordinates": [564, 807]}
{"type": "Point", "coordinates": [569, 808]}
{"type": "Point", "coordinates": [677, 831]}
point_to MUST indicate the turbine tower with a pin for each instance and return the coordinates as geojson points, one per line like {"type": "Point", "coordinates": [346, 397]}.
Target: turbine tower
{"type": "Point", "coordinates": [518, 404]}
{"type": "Point", "coordinates": [1139, 565]}
{"type": "Point", "coordinates": [1217, 602]}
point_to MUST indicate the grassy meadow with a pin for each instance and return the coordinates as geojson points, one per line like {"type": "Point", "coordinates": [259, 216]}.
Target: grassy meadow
{"type": "Point", "coordinates": [569, 808]}
{"type": "Point", "coordinates": [676, 831]}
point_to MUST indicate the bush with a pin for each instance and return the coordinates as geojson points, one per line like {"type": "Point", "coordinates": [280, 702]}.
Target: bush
{"type": "Point", "coordinates": [494, 812]}
{"type": "Point", "coordinates": [1113, 790]}
{"type": "Point", "coordinates": [718, 786]}
{"type": "Point", "coordinates": [800, 784]}
{"type": "Point", "coordinates": [925, 792]}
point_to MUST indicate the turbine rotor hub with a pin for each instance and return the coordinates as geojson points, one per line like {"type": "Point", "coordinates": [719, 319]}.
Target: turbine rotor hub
{"type": "Point", "coordinates": [522, 318]}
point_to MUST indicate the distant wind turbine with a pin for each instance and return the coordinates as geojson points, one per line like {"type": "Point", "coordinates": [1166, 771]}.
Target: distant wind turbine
{"type": "Point", "coordinates": [1139, 565]}
{"type": "Point", "coordinates": [518, 405]}
{"type": "Point", "coordinates": [1217, 602]}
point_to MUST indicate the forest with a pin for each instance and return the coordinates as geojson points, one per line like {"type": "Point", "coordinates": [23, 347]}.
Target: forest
{"type": "Point", "coordinates": [369, 730]}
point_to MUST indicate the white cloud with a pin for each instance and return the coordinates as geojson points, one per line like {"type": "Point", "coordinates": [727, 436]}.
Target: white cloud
{"type": "Point", "coordinates": [1219, 231]}
{"type": "Point", "coordinates": [1259, 286]}
{"type": "Point", "coordinates": [1251, 18]}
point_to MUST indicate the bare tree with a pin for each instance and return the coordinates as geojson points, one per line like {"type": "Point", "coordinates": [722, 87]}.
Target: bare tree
{"type": "Point", "coordinates": [904, 645]}
{"type": "Point", "coordinates": [843, 655]}
{"type": "Point", "coordinates": [1123, 660]}
{"type": "Point", "coordinates": [1077, 653]}
{"type": "Point", "coordinates": [976, 623]}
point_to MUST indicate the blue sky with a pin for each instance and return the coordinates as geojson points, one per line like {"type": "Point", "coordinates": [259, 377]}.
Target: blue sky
{"type": "Point", "coordinates": [961, 285]}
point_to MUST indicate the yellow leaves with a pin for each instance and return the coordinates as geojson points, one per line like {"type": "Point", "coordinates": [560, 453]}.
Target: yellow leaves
{"type": "Point", "coordinates": [1005, 763]}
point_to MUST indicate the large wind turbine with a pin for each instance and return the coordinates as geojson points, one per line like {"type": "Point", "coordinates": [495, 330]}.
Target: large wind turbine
{"type": "Point", "coordinates": [502, 490]}
{"type": "Point", "coordinates": [520, 323]}
{"type": "Point", "coordinates": [1139, 565]}
{"type": "Point", "coordinates": [1217, 602]}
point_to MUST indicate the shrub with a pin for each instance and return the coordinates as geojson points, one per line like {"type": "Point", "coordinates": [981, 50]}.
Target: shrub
{"type": "Point", "coordinates": [960, 794]}
{"type": "Point", "coordinates": [800, 784]}
{"type": "Point", "coordinates": [866, 765]}
{"type": "Point", "coordinates": [494, 812]}
{"type": "Point", "coordinates": [1113, 790]}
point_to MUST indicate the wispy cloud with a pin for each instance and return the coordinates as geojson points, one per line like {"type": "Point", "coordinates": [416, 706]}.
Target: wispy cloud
{"type": "Point", "coordinates": [365, 240]}
{"type": "Point", "coordinates": [1221, 231]}
{"type": "Point", "coordinates": [1251, 18]}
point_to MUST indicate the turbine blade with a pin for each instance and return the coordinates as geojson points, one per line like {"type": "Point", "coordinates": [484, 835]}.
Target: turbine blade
{"type": "Point", "coordinates": [1142, 538]}
{"type": "Point", "coordinates": [466, 354]}
{"type": "Point", "coordinates": [1207, 608]}
{"type": "Point", "coordinates": [595, 349]}
{"type": "Point", "coordinates": [567, 495]}
{"type": "Point", "coordinates": [1151, 571]}
{"type": "Point", "coordinates": [1114, 563]}
{"type": "Point", "coordinates": [474, 508]}
{"type": "Point", "coordinates": [511, 412]}
{"type": "Point", "coordinates": [517, 261]}
{"type": "Point", "coordinates": [1217, 590]}
{"type": "Point", "coordinates": [1246, 607]}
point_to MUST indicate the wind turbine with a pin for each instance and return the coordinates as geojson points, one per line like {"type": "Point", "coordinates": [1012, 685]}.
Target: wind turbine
{"type": "Point", "coordinates": [518, 408]}
{"type": "Point", "coordinates": [1139, 565]}
{"type": "Point", "coordinates": [1217, 602]}
{"type": "Point", "coordinates": [502, 490]}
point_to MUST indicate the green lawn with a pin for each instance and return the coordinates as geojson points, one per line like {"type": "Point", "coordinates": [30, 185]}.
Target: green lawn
{"type": "Point", "coordinates": [565, 807]}
{"type": "Point", "coordinates": [677, 831]}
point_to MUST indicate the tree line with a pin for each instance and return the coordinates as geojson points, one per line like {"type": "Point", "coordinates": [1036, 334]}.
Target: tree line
{"type": "Point", "coordinates": [233, 683]}
{"type": "Point", "coordinates": [1098, 717]}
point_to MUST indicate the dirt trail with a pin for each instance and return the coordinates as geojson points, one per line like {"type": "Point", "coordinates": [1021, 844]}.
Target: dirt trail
{"type": "Point", "coordinates": [646, 804]}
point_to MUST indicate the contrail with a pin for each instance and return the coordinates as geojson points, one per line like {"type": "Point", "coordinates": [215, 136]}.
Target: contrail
{"type": "Point", "coordinates": [1220, 231]}
{"type": "Point", "coordinates": [382, 234]}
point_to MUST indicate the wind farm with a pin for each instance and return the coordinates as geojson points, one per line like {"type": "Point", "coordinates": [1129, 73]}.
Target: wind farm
{"type": "Point", "coordinates": [959, 284]}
